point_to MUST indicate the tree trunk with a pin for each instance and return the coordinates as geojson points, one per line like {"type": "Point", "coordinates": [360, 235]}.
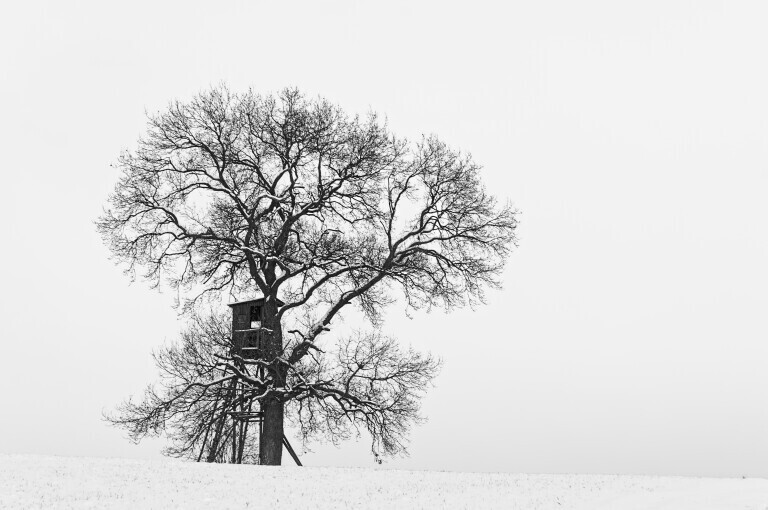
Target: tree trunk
{"type": "Point", "coordinates": [271, 439]}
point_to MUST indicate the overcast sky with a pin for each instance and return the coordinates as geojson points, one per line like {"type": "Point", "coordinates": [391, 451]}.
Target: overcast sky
{"type": "Point", "coordinates": [631, 333]}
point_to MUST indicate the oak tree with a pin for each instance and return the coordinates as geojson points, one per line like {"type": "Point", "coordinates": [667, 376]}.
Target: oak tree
{"type": "Point", "coordinates": [287, 197]}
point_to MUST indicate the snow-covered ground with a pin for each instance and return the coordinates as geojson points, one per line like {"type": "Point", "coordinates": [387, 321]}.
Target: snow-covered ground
{"type": "Point", "coordinates": [28, 481]}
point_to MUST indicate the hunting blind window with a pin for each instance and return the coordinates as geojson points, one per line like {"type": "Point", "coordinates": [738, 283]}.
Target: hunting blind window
{"type": "Point", "coordinates": [255, 313]}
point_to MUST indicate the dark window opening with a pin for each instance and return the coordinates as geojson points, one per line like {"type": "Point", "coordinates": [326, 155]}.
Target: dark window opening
{"type": "Point", "coordinates": [255, 314]}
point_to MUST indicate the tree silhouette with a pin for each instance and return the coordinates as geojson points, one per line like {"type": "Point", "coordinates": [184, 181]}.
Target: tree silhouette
{"type": "Point", "coordinates": [290, 198]}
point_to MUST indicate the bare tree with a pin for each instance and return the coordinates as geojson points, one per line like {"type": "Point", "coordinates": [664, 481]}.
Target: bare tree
{"type": "Point", "coordinates": [286, 196]}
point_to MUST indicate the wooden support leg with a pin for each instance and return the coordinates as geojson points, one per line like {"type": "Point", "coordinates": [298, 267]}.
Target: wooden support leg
{"type": "Point", "coordinates": [290, 450]}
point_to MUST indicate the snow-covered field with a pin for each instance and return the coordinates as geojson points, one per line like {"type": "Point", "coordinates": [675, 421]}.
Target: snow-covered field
{"type": "Point", "coordinates": [28, 481]}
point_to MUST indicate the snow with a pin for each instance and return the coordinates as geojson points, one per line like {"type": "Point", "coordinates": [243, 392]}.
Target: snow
{"type": "Point", "coordinates": [28, 482]}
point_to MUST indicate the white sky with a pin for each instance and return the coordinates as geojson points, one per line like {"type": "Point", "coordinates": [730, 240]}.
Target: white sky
{"type": "Point", "coordinates": [631, 333]}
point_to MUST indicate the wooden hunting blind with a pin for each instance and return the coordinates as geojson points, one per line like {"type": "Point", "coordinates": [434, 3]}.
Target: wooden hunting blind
{"type": "Point", "coordinates": [247, 333]}
{"type": "Point", "coordinates": [248, 337]}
